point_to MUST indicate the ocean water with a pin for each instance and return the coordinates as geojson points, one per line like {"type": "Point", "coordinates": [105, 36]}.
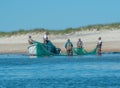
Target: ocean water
{"type": "Point", "coordinates": [87, 71]}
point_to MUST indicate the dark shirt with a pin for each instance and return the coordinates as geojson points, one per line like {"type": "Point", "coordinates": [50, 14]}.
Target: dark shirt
{"type": "Point", "coordinates": [68, 43]}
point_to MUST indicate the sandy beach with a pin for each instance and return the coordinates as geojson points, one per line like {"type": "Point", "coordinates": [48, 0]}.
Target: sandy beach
{"type": "Point", "coordinates": [19, 43]}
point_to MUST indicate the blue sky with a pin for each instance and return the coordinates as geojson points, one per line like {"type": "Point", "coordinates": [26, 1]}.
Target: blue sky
{"type": "Point", "coordinates": [56, 14]}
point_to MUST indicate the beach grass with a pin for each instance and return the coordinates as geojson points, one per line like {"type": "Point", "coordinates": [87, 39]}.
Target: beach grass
{"type": "Point", "coordinates": [97, 27]}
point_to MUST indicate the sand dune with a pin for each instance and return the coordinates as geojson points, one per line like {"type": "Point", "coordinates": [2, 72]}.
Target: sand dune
{"type": "Point", "coordinates": [19, 43]}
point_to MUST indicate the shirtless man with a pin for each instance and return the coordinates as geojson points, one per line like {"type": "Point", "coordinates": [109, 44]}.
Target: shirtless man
{"type": "Point", "coordinates": [30, 40]}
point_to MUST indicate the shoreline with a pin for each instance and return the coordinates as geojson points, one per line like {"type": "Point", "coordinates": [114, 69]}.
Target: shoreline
{"type": "Point", "coordinates": [22, 48]}
{"type": "Point", "coordinates": [19, 43]}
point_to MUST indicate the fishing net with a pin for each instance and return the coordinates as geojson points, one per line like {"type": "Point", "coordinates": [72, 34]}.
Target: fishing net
{"type": "Point", "coordinates": [49, 49]}
{"type": "Point", "coordinates": [46, 49]}
{"type": "Point", "coordinates": [82, 51]}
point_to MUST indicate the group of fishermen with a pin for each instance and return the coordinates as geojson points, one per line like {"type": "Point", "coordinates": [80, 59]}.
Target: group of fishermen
{"type": "Point", "coordinates": [69, 45]}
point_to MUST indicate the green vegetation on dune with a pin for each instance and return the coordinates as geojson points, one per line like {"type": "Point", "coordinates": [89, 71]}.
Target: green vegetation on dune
{"type": "Point", "coordinates": [21, 31]}
{"type": "Point", "coordinates": [68, 30]}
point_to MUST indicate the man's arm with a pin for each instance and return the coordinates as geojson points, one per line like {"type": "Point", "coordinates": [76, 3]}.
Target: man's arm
{"type": "Point", "coordinates": [65, 45]}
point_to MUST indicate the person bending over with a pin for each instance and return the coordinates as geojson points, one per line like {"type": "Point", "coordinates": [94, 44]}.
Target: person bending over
{"type": "Point", "coordinates": [30, 40]}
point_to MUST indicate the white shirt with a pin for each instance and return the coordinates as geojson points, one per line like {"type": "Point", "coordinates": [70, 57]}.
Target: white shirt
{"type": "Point", "coordinates": [100, 41]}
{"type": "Point", "coordinates": [45, 36]}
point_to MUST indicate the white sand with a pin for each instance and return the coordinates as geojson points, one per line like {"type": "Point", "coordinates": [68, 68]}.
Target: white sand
{"type": "Point", "coordinates": [19, 43]}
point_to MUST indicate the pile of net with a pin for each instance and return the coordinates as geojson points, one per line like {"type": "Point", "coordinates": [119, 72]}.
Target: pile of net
{"type": "Point", "coordinates": [46, 49]}
{"type": "Point", "coordinates": [50, 49]}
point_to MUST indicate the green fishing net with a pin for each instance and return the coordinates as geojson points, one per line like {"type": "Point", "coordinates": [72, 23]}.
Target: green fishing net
{"type": "Point", "coordinates": [82, 51]}
{"type": "Point", "coordinates": [46, 49]}
{"type": "Point", "coordinates": [49, 49]}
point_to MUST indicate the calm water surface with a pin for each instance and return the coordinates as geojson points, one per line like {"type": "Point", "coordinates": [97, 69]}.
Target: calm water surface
{"type": "Point", "coordinates": [90, 71]}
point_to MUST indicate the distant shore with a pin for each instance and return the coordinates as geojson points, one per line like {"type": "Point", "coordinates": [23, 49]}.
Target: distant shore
{"type": "Point", "coordinates": [19, 43]}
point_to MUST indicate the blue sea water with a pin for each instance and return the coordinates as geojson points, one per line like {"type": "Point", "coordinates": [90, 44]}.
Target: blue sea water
{"type": "Point", "coordinates": [88, 71]}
